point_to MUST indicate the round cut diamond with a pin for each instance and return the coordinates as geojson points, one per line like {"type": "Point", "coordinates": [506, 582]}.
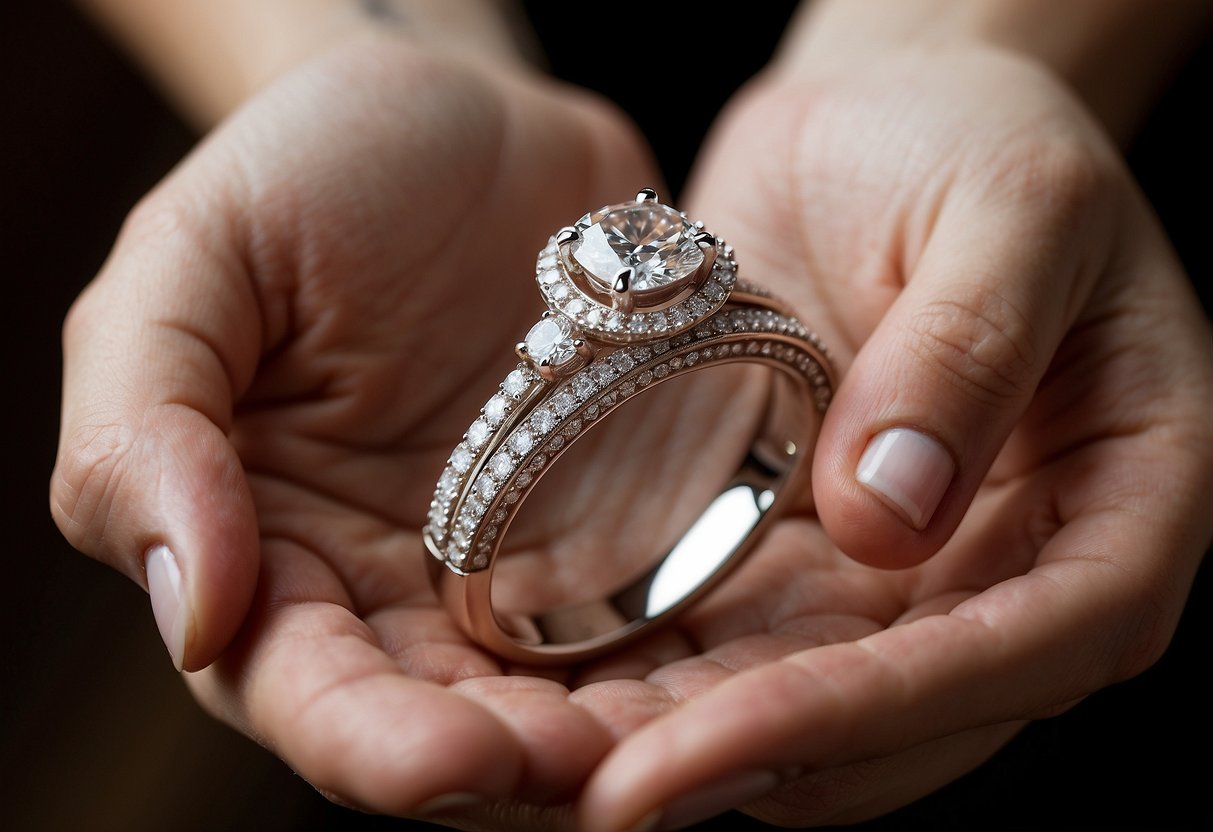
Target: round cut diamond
{"type": "Point", "coordinates": [544, 420]}
{"type": "Point", "coordinates": [521, 441]}
{"type": "Point", "coordinates": [516, 383]}
{"type": "Point", "coordinates": [501, 465]}
{"type": "Point", "coordinates": [653, 240]}
{"type": "Point", "coordinates": [461, 458]}
{"type": "Point", "coordinates": [551, 341]}
{"type": "Point", "coordinates": [494, 410]}
{"type": "Point", "coordinates": [478, 433]}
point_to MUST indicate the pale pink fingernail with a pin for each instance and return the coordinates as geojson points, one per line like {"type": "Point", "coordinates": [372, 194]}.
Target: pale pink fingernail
{"type": "Point", "coordinates": [709, 801]}
{"type": "Point", "coordinates": [909, 471]}
{"type": "Point", "coordinates": [169, 603]}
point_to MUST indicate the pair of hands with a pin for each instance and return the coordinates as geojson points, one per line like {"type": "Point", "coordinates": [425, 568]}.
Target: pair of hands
{"type": "Point", "coordinates": [264, 381]}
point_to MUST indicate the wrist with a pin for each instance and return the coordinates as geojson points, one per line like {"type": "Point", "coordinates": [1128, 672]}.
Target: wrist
{"type": "Point", "coordinates": [1114, 54]}
{"type": "Point", "coordinates": [210, 55]}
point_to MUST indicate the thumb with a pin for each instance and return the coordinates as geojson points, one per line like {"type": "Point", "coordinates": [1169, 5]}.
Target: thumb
{"type": "Point", "coordinates": [935, 391]}
{"type": "Point", "coordinates": [155, 352]}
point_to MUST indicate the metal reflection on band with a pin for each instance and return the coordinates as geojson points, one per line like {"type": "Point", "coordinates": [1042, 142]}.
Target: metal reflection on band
{"type": "Point", "coordinates": [540, 410]}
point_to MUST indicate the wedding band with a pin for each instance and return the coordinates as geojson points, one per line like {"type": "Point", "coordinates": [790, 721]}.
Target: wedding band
{"type": "Point", "coordinates": [637, 294]}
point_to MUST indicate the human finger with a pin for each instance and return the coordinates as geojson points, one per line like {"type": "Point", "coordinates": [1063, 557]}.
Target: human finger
{"type": "Point", "coordinates": [155, 352]}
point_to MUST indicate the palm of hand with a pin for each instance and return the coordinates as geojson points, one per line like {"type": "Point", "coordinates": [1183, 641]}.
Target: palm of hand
{"type": "Point", "coordinates": [851, 187]}
{"type": "Point", "coordinates": [364, 389]}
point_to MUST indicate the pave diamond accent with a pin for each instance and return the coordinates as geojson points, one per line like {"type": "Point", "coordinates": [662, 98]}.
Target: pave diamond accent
{"type": "Point", "coordinates": [516, 383]}
{"type": "Point", "coordinates": [481, 488]}
{"type": "Point", "coordinates": [478, 433]}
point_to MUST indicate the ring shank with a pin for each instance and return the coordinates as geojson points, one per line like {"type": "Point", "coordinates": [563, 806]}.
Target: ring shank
{"type": "Point", "coordinates": [767, 478]}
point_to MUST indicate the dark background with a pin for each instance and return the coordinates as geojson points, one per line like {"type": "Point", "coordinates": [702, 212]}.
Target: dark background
{"type": "Point", "coordinates": [97, 732]}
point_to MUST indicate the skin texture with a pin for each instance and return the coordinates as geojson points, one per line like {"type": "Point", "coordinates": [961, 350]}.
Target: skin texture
{"type": "Point", "coordinates": [969, 242]}
{"type": "Point", "coordinates": [265, 378]}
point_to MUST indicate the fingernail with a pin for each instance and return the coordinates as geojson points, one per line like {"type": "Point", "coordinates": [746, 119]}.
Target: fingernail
{"type": "Point", "coordinates": [909, 471]}
{"type": "Point", "coordinates": [446, 803]}
{"type": "Point", "coordinates": [709, 801]}
{"type": "Point", "coordinates": [169, 603]}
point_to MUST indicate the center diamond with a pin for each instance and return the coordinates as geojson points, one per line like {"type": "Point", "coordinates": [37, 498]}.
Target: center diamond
{"type": "Point", "coordinates": [653, 240]}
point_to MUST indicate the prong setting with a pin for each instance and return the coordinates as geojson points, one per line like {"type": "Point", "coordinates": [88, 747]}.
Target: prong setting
{"type": "Point", "coordinates": [633, 271]}
{"type": "Point", "coordinates": [621, 290]}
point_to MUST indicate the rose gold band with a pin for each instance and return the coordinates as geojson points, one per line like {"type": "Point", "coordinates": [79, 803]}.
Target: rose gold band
{"type": "Point", "coordinates": [537, 414]}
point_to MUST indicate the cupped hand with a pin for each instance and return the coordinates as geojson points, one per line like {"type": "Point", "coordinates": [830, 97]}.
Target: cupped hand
{"type": "Point", "coordinates": [265, 380]}
{"type": "Point", "coordinates": [970, 245]}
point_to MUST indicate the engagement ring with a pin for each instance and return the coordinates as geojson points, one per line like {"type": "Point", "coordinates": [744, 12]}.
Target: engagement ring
{"type": "Point", "coordinates": [637, 295]}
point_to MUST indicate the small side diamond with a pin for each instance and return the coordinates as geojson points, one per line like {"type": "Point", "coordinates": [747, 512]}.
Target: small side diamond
{"type": "Point", "coordinates": [584, 386]}
{"type": "Point", "coordinates": [448, 482]}
{"type": "Point", "coordinates": [461, 458]}
{"type": "Point", "coordinates": [485, 486]}
{"type": "Point", "coordinates": [574, 307]}
{"type": "Point", "coordinates": [473, 507]}
{"type": "Point", "coordinates": [714, 290]}
{"type": "Point", "coordinates": [603, 373]}
{"type": "Point", "coordinates": [516, 383]}
{"type": "Point", "coordinates": [543, 420]}
{"type": "Point", "coordinates": [658, 322]}
{"type": "Point", "coordinates": [478, 433]}
{"type": "Point", "coordinates": [637, 324]}
{"type": "Point", "coordinates": [622, 361]}
{"type": "Point", "coordinates": [501, 465]}
{"type": "Point", "coordinates": [679, 317]}
{"type": "Point", "coordinates": [494, 410]}
{"type": "Point", "coordinates": [550, 276]}
{"type": "Point", "coordinates": [560, 291]}
{"type": "Point", "coordinates": [521, 441]}
{"type": "Point", "coordinates": [564, 402]}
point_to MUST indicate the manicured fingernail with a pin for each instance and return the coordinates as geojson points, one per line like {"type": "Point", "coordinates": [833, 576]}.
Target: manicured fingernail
{"type": "Point", "coordinates": [909, 471]}
{"type": "Point", "coordinates": [728, 793]}
{"type": "Point", "coordinates": [447, 803]}
{"type": "Point", "coordinates": [169, 603]}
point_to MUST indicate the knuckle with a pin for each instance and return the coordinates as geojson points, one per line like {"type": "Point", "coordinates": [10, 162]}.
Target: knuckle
{"type": "Point", "coordinates": [83, 485]}
{"type": "Point", "coordinates": [976, 341]}
{"type": "Point", "coordinates": [1067, 180]}
{"type": "Point", "coordinates": [161, 217]}
{"type": "Point", "coordinates": [1147, 636]}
